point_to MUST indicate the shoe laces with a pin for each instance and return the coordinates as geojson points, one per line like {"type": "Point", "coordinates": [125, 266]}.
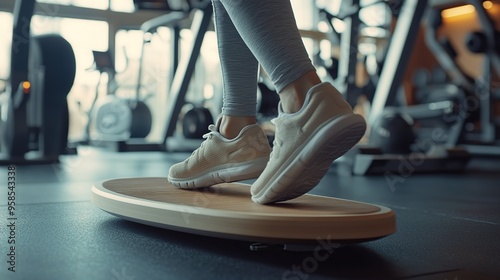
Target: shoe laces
{"type": "Point", "coordinates": [213, 129]}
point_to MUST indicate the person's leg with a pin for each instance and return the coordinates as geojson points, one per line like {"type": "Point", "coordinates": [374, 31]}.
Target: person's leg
{"type": "Point", "coordinates": [269, 29]}
{"type": "Point", "coordinates": [236, 148]}
{"type": "Point", "coordinates": [239, 75]}
{"type": "Point", "coordinates": [315, 125]}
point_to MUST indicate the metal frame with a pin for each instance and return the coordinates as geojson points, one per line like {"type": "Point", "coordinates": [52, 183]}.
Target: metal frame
{"type": "Point", "coordinates": [23, 12]}
{"type": "Point", "coordinates": [348, 59]}
{"type": "Point", "coordinates": [171, 20]}
{"type": "Point", "coordinates": [182, 71]}
{"type": "Point", "coordinates": [491, 63]}
{"type": "Point", "coordinates": [185, 70]}
{"type": "Point", "coordinates": [400, 48]}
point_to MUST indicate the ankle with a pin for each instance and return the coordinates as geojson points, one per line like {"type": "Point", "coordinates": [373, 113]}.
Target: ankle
{"type": "Point", "coordinates": [231, 126]}
{"type": "Point", "coordinates": [293, 95]}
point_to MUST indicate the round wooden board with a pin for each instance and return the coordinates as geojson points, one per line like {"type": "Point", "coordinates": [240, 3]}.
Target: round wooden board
{"type": "Point", "coordinates": [227, 211]}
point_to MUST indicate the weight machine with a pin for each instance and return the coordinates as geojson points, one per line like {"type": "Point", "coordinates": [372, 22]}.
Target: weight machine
{"type": "Point", "coordinates": [485, 140]}
{"type": "Point", "coordinates": [200, 13]}
{"type": "Point", "coordinates": [125, 122]}
{"type": "Point", "coordinates": [343, 70]}
{"type": "Point", "coordinates": [450, 155]}
{"type": "Point", "coordinates": [34, 116]}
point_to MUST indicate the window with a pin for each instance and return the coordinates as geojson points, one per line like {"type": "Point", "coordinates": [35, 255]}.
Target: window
{"type": "Point", "coordinates": [5, 44]}
{"type": "Point", "coordinates": [304, 12]}
{"type": "Point", "coordinates": [126, 6]}
{"type": "Point", "coordinates": [94, 4]}
{"type": "Point", "coordinates": [83, 35]}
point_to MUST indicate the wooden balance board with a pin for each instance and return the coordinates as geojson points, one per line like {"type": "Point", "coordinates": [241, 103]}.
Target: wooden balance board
{"type": "Point", "coordinates": [227, 211]}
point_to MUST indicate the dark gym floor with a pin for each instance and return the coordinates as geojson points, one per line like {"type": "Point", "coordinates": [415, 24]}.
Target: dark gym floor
{"type": "Point", "coordinates": [448, 228]}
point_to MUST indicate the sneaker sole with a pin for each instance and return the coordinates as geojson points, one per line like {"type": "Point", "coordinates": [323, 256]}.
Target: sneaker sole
{"type": "Point", "coordinates": [311, 162]}
{"type": "Point", "coordinates": [224, 174]}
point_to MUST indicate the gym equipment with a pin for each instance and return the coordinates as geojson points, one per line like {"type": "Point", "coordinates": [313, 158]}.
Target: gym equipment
{"type": "Point", "coordinates": [199, 12]}
{"type": "Point", "coordinates": [142, 119]}
{"type": "Point", "coordinates": [439, 118]}
{"type": "Point", "coordinates": [195, 122]}
{"type": "Point", "coordinates": [342, 71]}
{"type": "Point", "coordinates": [268, 100]}
{"type": "Point", "coordinates": [486, 42]}
{"type": "Point", "coordinates": [226, 211]}
{"type": "Point", "coordinates": [177, 11]}
{"type": "Point", "coordinates": [477, 42]}
{"type": "Point", "coordinates": [201, 18]}
{"type": "Point", "coordinates": [34, 111]}
{"type": "Point", "coordinates": [476, 130]}
{"type": "Point", "coordinates": [13, 126]}
{"type": "Point", "coordinates": [112, 118]}
{"type": "Point", "coordinates": [123, 124]}
{"type": "Point", "coordinates": [393, 133]}
{"type": "Point", "coordinates": [391, 76]}
{"type": "Point", "coordinates": [109, 117]}
{"type": "Point", "coordinates": [467, 126]}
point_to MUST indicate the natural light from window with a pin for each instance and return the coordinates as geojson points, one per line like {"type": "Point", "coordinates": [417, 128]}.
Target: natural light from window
{"type": "Point", "coordinates": [5, 43]}
{"type": "Point", "coordinates": [114, 5]}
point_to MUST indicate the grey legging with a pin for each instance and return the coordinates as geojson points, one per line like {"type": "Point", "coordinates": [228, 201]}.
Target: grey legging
{"type": "Point", "coordinates": [253, 31]}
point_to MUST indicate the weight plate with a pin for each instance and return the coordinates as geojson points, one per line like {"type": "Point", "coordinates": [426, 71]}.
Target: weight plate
{"type": "Point", "coordinates": [141, 120]}
{"type": "Point", "coordinates": [112, 116]}
{"type": "Point", "coordinates": [195, 122]}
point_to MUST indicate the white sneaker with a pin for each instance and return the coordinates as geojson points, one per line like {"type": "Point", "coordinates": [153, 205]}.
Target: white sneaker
{"type": "Point", "coordinates": [220, 160]}
{"type": "Point", "coordinates": [306, 143]}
